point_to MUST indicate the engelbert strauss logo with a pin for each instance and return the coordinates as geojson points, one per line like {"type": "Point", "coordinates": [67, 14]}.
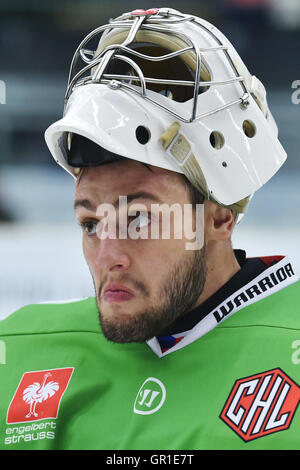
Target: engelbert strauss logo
{"type": "Point", "coordinates": [38, 395]}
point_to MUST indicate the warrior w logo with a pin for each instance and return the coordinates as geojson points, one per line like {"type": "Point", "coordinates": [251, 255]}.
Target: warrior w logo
{"type": "Point", "coordinates": [150, 397]}
{"type": "Point", "coordinates": [261, 404]}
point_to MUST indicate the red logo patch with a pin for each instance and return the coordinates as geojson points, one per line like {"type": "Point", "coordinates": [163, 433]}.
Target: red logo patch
{"type": "Point", "coordinates": [261, 404]}
{"type": "Point", "coordinates": [38, 395]}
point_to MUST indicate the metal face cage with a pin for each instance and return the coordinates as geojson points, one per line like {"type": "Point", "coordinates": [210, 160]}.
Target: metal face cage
{"type": "Point", "coordinates": [96, 64]}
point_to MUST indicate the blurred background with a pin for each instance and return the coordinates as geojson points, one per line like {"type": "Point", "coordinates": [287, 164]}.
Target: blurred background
{"type": "Point", "coordinates": [40, 242]}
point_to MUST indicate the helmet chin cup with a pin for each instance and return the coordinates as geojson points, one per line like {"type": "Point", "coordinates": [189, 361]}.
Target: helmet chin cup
{"type": "Point", "coordinates": [169, 89]}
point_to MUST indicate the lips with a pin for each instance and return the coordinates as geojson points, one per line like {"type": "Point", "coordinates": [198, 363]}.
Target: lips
{"type": "Point", "coordinates": [115, 292]}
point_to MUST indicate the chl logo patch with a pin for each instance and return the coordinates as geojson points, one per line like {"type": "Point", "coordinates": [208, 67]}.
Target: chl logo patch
{"type": "Point", "coordinates": [38, 395]}
{"type": "Point", "coordinates": [261, 404]}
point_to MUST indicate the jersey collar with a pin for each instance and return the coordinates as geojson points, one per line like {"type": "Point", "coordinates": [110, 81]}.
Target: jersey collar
{"type": "Point", "coordinates": [277, 273]}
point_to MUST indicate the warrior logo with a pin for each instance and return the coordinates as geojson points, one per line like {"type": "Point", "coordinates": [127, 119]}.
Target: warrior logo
{"type": "Point", "coordinates": [261, 404]}
{"type": "Point", "coordinates": [150, 397]}
{"type": "Point", "coordinates": [41, 396]}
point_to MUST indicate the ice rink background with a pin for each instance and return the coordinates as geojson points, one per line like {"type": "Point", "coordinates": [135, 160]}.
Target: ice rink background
{"type": "Point", "coordinates": [41, 256]}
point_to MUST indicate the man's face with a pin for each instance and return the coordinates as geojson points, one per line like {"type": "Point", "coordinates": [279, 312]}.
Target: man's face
{"type": "Point", "coordinates": [142, 285]}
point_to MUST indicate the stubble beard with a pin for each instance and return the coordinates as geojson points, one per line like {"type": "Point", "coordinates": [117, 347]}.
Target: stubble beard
{"type": "Point", "coordinates": [178, 295]}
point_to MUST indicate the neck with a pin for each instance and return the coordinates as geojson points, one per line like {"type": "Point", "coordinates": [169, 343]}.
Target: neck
{"type": "Point", "coordinates": [221, 265]}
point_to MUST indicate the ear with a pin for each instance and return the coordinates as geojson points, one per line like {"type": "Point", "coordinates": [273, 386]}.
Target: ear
{"type": "Point", "coordinates": [219, 222]}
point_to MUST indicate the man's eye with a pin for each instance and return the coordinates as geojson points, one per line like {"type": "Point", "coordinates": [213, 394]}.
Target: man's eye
{"type": "Point", "coordinates": [89, 227]}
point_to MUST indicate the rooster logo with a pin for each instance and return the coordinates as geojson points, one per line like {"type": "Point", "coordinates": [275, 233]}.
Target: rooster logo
{"type": "Point", "coordinates": [37, 393]}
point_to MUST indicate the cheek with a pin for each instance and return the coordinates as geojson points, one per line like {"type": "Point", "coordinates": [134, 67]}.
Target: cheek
{"type": "Point", "coordinates": [155, 258]}
{"type": "Point", "coordinates": [89, 253]}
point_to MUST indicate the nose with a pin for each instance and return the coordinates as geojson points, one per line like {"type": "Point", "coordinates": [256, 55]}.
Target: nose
{"type": "Point", "coordinates": [112, 255]}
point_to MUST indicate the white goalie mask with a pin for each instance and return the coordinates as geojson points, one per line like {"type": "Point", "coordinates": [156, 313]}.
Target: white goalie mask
{"type": "Point", "coordinates": [168, 89]}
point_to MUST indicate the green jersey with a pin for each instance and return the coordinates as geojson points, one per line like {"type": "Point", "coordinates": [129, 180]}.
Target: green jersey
{"type": "Point", "coordinates": [231, 382]}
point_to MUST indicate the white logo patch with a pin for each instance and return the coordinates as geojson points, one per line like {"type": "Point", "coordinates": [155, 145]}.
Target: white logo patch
{"type": "Point", "coordinates": [150, 397]}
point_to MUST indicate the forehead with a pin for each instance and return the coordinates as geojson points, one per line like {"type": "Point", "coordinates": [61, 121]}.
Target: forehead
{"type": "Point", "coordinates": [104, 183]}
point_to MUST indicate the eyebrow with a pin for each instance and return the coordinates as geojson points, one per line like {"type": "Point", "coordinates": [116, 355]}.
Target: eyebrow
{"type": "Point", "coordinates": [87, 204]}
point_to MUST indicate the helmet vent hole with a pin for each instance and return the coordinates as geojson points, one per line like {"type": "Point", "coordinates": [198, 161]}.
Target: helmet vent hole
{"type": "Point", "coordinates": [216, 140]}
{"type": "Point", "coordinates": [249, 128]}
{"type": "Point", "coordinates": [142, 135]}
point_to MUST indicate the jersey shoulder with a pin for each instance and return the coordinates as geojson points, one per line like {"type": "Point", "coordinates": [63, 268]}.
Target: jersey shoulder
{"type": "Point", "coordinates": [280, 309]}
{"type": "Point", "coordinates": [51, 317]}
